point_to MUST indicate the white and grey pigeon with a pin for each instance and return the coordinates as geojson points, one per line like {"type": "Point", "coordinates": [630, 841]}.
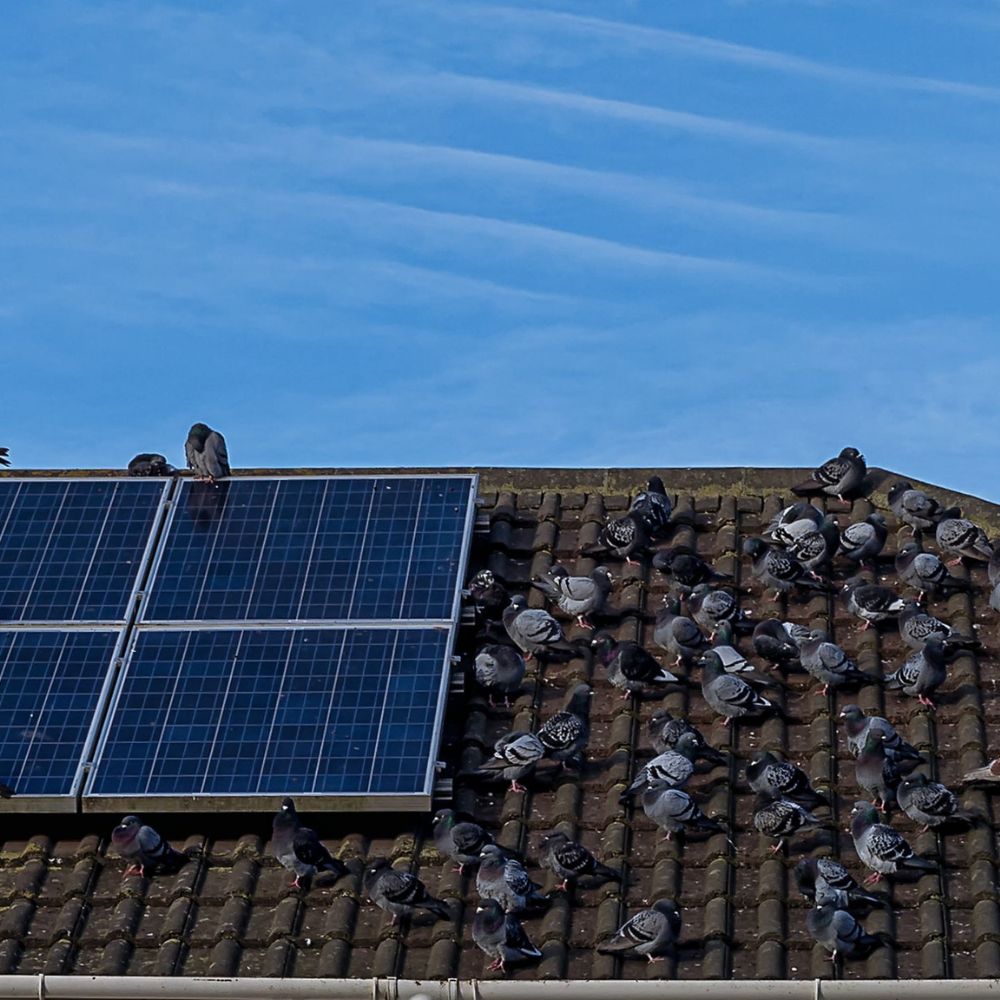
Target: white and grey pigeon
{"type": "Point", "coordinates": [507, 881]}
{"type": "Point", "coordinates": [840, 933]}
{"type": "Point", "coordinates": [915, 508]}
{"type": "Point", "coordinates": [880, 847]}
{"type": "Point", "coordinates": [514, 758]}
{"type": "Point", "coordinates": [298, 848]}
{"type": "Point", "coordinates": [399, 893]}
{"type": "Point", "coordinates": [862, 541]}
{"type": "Point", "coordinates": [728, 694]}
{"type": "Point", "coordinates": [653, 932]}
{"type": "Point", "coordinates": [501, 936]}
{"type": "Point", "coordinates": [795, 520]}
{"type": "Point", "coordinates": [871, 602]}
{"type": "Point", "coordinates": [836, 477]}
{"type": "Point", "coordinates": [144, 848]}
{"type": "Point", "coordinates": [576, 595]}
{"type": "Point", "coordinates": [500, 669]}
{"type": "Point", "coordinates": [533, 630]}
{"type": "Point", "coordinates": [206, 454]}
{"type": "Point", "coordinates": [779, 818]}
{"type": "Point", "coordinates": [815, 549]}
{"type": "Point", "coordinates": [961, 538]}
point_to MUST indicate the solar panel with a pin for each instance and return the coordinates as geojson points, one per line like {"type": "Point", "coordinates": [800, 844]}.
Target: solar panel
{"type": "Point", "coordinates": [312, 549]}
{"type": "Point", "coordinates": [50, 688]}
{"type": "Point", "coordinates": [71, 549]}
{"type": "Point", "coordinates": [254, 714]}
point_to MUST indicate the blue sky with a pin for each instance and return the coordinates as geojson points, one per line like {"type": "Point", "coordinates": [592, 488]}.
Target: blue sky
{"type": "Point", "coordinates": [541, 233]}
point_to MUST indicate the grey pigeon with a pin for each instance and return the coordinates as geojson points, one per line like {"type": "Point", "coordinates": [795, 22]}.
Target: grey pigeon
{"type": "Point", "coordinates": [772, 641]}
{"type": "Point", "coordinates": [652, 932]}
{"type": "Point", "coordinates": [205, 451]}
{"type": "Point", "coordinates": [501, 936]}
{"type": "Point", "coordinates": [916, 627]}
{"type": "Point", "coordinates": [863, 541]}
{"type": "Point", "coordinates": [499, 668]}
{"type": "Point", "coordinates": [993, 569]}
{"type": "Point", "coordinates": [777, 569]}
{"type": "Point", "coordinates": [710, 608]}
{"type": "Point", "coordinates": [882, 849]}
{"type": "Point", "coordinates": [144, 848]}
{"type": "Point", "coordinates": [728, 694]}
{"type": "Point", "coordinates": [665, 732]}
{"type": "Point", "coordinates": [460, 840]}
{"type": "Point", "coordinates": [488, 595]}
{"type": "Point", "coordinates": [823, 879]}
{"type": "Point", "coordinates": [630, 668]}
{"type": "Point", "coordinates": [672, 809]}
{"type": "Point", "coordinates": [533, 630]}
{"type": "Point", "coordinates": [675, 633]}
{"type": "Point", "coordinates": [298, 848]}
{"type": "Point", "coordinates": [399, 893]}
{"type": "Point", "coordinates": [576, 595]}
{"type": "Point", "coordinates": [792, 521]}
{"type": "Point", "coordinates": [828, 663]}
{"type": "Point", "coordinates": [779, 818]}
{"type": "Point", "coordinates": [653, 507]}
{"type": "Point", "coordinates": [815, 549]}
{"type": "Point", "coordinates": [837, 477]}
{"type": "Point", "coordinates": [870, 602]}
{"type": "Point", "coordinates": [733, 661]}
{"type": "Point", "coordinates": [505, 879]}
{"type": "Point", "coordinates": [570, 861]}
{"type": "Point", "coordinates": [875, 773]}
{"type": "Point", "coordinates": [922, 673]}
{"type": "Point", "coordinates": [149, 464]}
{"type": "Point", "coordinates": [767, 775]}
{"type": "Point", "coordinates": [674, 767]}
{"type": "Point", "coordinates": [565, 734]}
{"type": "Point", "coordinates": [514, 758]}
{"type": "Point", "coordinates": [858, 726]}
{"type": "Point", "coordinates": [685, 568]}
{"type": "Point", "coordinates": [930, 803]}
{"type": "Point", "coordinates": [914, 507]}
{"type": "Point", "coordinates": [840, 933]}
{"type": "Point", "coordinates": [962, 538]}
{"type": "Point", "coordinates": [925, 572]}
{"type": "Point", "coordinates": [995, 598]}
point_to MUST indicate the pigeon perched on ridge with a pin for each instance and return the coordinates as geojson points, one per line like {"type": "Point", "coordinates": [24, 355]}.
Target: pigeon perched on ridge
{"type": "Point", "coordinates": [871, 602]}
{"type": "Point", "coordinates": [677, 634]}
{"type": "Point", "coordinates": [565, 734]}
{"type": "Point", "coordinates": [916, 627]}
{"type": "Point", "coordinates": [571, 861]}
{"type": "Point", "coordinates": [923, 571]}
{"type": "Point", "coordinates": [815, 549]}
{"type": "Point", "coordinates": [673, 767]}
{"type": "Point", "coordinates": [858, 726]}
{"type": "Point", "coordinates": [823, 879]}
{"type": "Point", "coordinates": [488, 595]}
{"type": "Point", "coordinates": [652, 932]}
{"type": "Point", "coordinates": [149, 464]}
{"type": "Point", "coordinates": [501, 936]}
{"type": "Point", "coordinates": [672, 809]}
{"type": "Point", "coordinates": [773, 642]}
{"type": "Point", "coordinates": [576, 595]}
{"type": "Point", "coordinates": [837, 477]}
{"type": "Point", "coordinates": [779, 818]}
{"type": "Point", "coordinates": [922, 673]}
{"type": "Point", "coordinates": [499, 668]}
{"type": "Point", "coordinates": [915, 508]}
{"type": "Point", "coordinates": [875, 773]}
{"type": "Point", "coordinates": [880, 847]}
{"type": "Point", "coordinates": [5, 456]}
{"type": "Point", "coordinates": [630, 668]}
{"type": "Point", "coordinates": [653, 507]}
{"type": "Point", "coordinates": [962, 538]}
{"type": "Point", "coordinates": [533, 630]}
{"type": "Point", "coordinates": [399, 893]}
{"type": "Point", "coordinates": [767, 775]}
{"type": "Point", "coordinates": [460, 840]}
{"type": "Point", "coordinates": [685, 567]}
{"type": "Point", "coordinates": [298, 848]}
{"type": "Point", "coordinates": [791, 522]}
{"type": "Point", "coordinates": [514, 758]}
{"type": "Point", "coordinates": [863, 541]}
{"type": "Point", "coordinates": [840, 933]}
{"type": "Point", "coordinates": [506, 880]}
{"type": "Point", "coordinates": [205, 451]}
{"type": "Point", "coordinates": [828, 663]}
{"type": "Point", "coordinates": [930, 803]}
{"type": "Point", "coordinates": [777, 569]}
{"type": "Point", "coordinates": [710, 608]}
{"type": "Point", "coordinates": [144, 848]}
{"type": "Point", "coordinates": [728, 694]}
{"type": "Point", "coordinates": [665, 731]}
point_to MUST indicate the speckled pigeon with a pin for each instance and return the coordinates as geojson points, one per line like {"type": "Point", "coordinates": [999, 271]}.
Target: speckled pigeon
{"type": "Point", "coordinates": [400, 894]}
{"type": "Point", "coordinates": [673, 767]}
{"type": "Point", "coordinates": [794, 520]}
{"type": "Point", "coordinates": [823, 879]}
{"type": "Point", "coordinates": [916, 627]}
{"type": "Point", "coordinates": [880, 847]}
{"type": "Point", "coordinates": [501, 936]}
{"type": "Point", "coordinates": [514, 758]}
{"type": "Point", "coordinates": [488, 595]}
{"type": "Point", "coordinates": [815, 549]}
{"type": "Point", "coordinates": [506, 880]}
{"type": "Point", "coordinates": [206, 453]}
{"type": "Point", "coordinates": [653, 507]}
{"type": "Point", "coordinates": [871, 602]}
{"type": "Point", "coordinates": [922, 673]}
{"type": "Point", "coordinates": [915, 508]}
{"type": "Point", "coordinates": [777, 569]}
{"type": "Point", "coordinates": [767, 775]}
{"type": "Point", "coordinates": [837, 477]}
{"type": "Point", "coordinates": [962, 538]}
{"type": "Point", "coordinates": [625, 536]}
{"type": "Point", "coordinates": [710, 608]}
{"type": "Point", "coordinates": [779, 818]}
{"type": "Point", "coordinates": [570, 861]}
{"type": "Point", "coordinates": [652, 932]}
{"type": "Point", "coordinates": [925, 572]}
{"type": "Point", "coordinates": [565, 734]}
{"type": "Point", "coordinates": [298, 848]}
{"type": "Point", "coordinates": [930, 803]}
{"type": "Point", "coordinates": [144, 848]}
{"type": "Point", "coordinates": [665, 731]}
{"type": "Point", "coordinates": [858, 726]}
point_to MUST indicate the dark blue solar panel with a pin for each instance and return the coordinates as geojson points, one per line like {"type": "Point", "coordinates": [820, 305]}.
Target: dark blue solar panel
{"type": "Point", "coordinates": [275, 712]}
{"type": "Point", "coordinates": [70, 550]}
{"type": "Point", "coordinates": [300, 549]}
{"type": "Point", "coordinates": [49, 688]}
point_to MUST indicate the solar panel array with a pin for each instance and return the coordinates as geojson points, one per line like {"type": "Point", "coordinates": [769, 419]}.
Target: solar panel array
{"type": "Point", "coordinates": [258, 637]}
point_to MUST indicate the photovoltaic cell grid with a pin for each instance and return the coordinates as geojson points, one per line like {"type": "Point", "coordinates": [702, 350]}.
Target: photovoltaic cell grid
{"type": "Point", "coordinates": [274, 712]}
{"type": "Point", "coordinates": [301, 549]}
{"type": "Point", "coordinates": [70, 550]}
{"type": "Point", "coordinates": [50, 684]}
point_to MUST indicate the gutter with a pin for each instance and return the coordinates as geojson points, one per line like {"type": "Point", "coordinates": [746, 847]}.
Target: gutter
{"type": "Point", "coordinates": [42, 987]}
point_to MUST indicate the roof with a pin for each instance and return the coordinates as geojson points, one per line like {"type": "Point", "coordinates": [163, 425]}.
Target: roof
{"type": "Point", "coordinates": [65, 908]}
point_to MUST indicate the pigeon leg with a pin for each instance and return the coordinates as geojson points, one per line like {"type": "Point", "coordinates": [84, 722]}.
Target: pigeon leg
{"type": "Point", "coordinates": [495, 964]}
{"type": "Point", "coordinates": [655, 958]}
{"type": "Point", "coordinates": [726, 721]}
{"type": "Point", "coordinates": [563, 886]}
{"type": "Point", "coordinates": [955, 562]}
{"type": "Point", "coordinates": [132, 870]}
{"type": "Point", "coordinates": [583, 622]}
{"type": "Point", "coordinates": [516, 786]}
{"type": "Point", "coordinates": [459, 869]}
{"type": "Point", "coordinates": [296, 884]}
{"type": "Point", "coordinates": [824, 690]}
{"type": "Point", "coordinates": [775, 848]}
{"type": "Point", "coordinates": [873, 878]}
{"type": "Point", "coordinates": [924, 700]}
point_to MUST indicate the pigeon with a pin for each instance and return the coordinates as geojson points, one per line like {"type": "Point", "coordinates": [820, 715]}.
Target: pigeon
{"type": "Point", "coordinates": [672, 809]}
{"type": "Point", "coordinates": [652, 932]}
{"type": "Point", "coordinates": [460, 840]}
{"type": "Point", "coordinates": [922, 673]}
{"type": "Point", "coordinates": [400, 893]}
{"type": "Point", "coordinates": [963, 538]}
{"type": "Point", "coordinates": [772, 641]}
{"type": "Point", "coordinates": [6, 792]}
{"type": "Point", "coordinates": [821, 879]}
{"type": "Point", "coordinates": [625, 536]}
{"type": "Point", "coordinates": [630, 668]}
{"type": "Point", "coordinates": [859, 725]}
{"type": "Point", "coordinates": [995, 598]}
{"type": "Point", "coordinates": [298, 848]}
{"type": "Point", "coordinates": [653, 507]}
{"type": "Point", "coordinates": [515, 756]}
{"type": "Point", "coordinates": [863, 541]}
{"type": "Point", "coordinates": [499, 668]}
{"type": "Point", "coordinates": [570, 861]}
{"type": "Point", "coordinates": [916, 627]}
{"type": "Point", "coordinates": [488, 595]}
{"type": "Point", "coordinates": [149, 464]}
{"type": "Point", "coordinates": [875, 773]}
{"type": "Point", "coordinates": [501, 936]}
{"type": "Point", "coordinates": [840, 933]}
{"type": "Point", "coordinates": [5, 456]}
{"type": "Point", "coordinates": [685, 567]}
{"type": "Point", "coordinates": [733, 661]}
{"type": "Point", "coordinates": [779, 818]}
{"type": "Point", "coordinates": [665, 731]}
{"type": "Point", "coordinates": [206, 453]}
{"type": "Point", "coordinates": [506, 880]}
{"type": "Point", "coordinates": [925, 572]}
{"type": "Point", "coordinates": [576, 595]}
{"type": "Point", "coordinates": [991, 772]}
{"type": "Point", "coordinates": [673, 767]}
{"type": "Point", "coordinates": [795, 520]}
{"type": "Point", "coordinates": [728, 694]}
{"type": "Point", "coordinates": [882, 849]}
{"type": "Point", "coordinates": [533, 630]}
{"type": "Point", "coordinates": [993, 568]}
{"type": "Point", "coordinates": [144, 848]}
{"type": "Point", "coordinates": [565, 733]}
{"type": "Point", "coordinates": [710, 608]}
{"type": "Point", "coordinates": [815, 549]}
{"type": "Point", "coordinates": [828, 663]}
{"type": "Point", "coordinates": [930, 803]}
{"type": "Point", "coordinates": [776, 778]}
{"type": "Point", "coordinates": [915, 508]}
{"type": "Point", "coordinates": [777, 569]}
{"type": "Point", "coordinates": [836, 477]}
{"type": "Point", "coordinates": [870, 602]}
{"type": "Point", "coordinates": [678, 635]}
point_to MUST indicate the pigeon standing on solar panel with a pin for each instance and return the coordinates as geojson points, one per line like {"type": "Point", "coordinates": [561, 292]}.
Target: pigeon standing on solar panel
{"type": "Point", "coordinates": [400, 893]}
{"type": "Point", "coordinates": [206, 453]}
{"type": "Point", "coordinates": [144, 848]}
{"type": "Point", "coordinates": [651, 932]}
{"type": "Point", "coordinates": [836, 477]}
{"type": "Point", "coordinates": [149, 464]}
{"type": "Point", "coordinates": [298, 848]}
